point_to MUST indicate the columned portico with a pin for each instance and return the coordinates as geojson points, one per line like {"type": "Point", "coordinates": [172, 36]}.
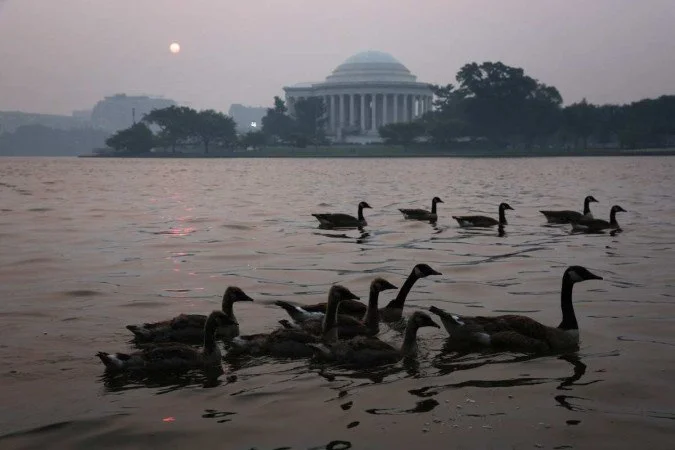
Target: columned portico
{"type": "Point", "coordinates": [367, 91]}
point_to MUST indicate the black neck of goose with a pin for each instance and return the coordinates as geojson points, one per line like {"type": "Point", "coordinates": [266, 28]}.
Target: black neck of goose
{"type": "Point", "coordinates": [210, 335]}
{"type": "Point", "coordinates": [433, 207]}
{"type": "Point", "coordinates": [587, 206]}
{"type": "Point", "coordinates": [569, 319]}
{"type": "Point", "coordinates": [404, 291]}
{"type": "Point", "coordinates": [409, 345]}
{"type": "Point", "coordinates": [228, 303]}
{"type": "Point", "coordinates": [502, 216]}
{"type": "Point", "coordinates": [372, 318]}
{"type": "Point", "coordinates": [612, 218]}
{"type": "Point", "coordinates": [361, 212]}
{"type": "Point", "coordinates": [329, 326]}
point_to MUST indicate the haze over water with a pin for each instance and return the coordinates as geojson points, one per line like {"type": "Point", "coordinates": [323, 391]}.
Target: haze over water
{"type": "Point", "coordinates": [90, 245]}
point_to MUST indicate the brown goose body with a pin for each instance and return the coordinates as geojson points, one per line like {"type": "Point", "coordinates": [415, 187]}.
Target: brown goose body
{"type": "Point", "coordinates": [394, 309]}
{"type": "Point", "coordinates": [569, 216]}
{"type": "Point", "coordinates": [340, 220]}
{"type": "Point", "coordinates": [484, 221]}
{"type": "Point", "coordinates": [348, 326]}
{"type": "Point", "coordinates": [521, 333]}
{"type": "Point", "coordinates": [598, 225]}
{"type": "Point", "coordinates": [171, 356]}
{"type": "Point", "coordinates": [423, 214]}
{"type": "Point", "coordinates": [292, 343]}
{"type": "Point", "coordinates": [369, 351]}
{"type": "Point", "coordinates": [189, 328]}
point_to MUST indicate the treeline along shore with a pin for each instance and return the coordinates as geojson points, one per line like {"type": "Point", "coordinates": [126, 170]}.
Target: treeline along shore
{"type": "Point", "coordinates": [492, 110]}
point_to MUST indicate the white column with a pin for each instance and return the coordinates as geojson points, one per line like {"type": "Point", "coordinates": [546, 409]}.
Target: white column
{"type": "Point", "coordinates": [342, 111]}
{"type": "Point", "coordinates": [352, 115]}
{"type": "Point", "coordinates": [406, 118]}
{"type": "Point", "coordinates": [373, 112]}
{"type": "Point", "coordinates": [363, 112]}
{"type": "Point", "coordinates": [327, 113]}
{"type": "Point", "coordinates": [333, 113]}
{"type": "Point", "coordinates": [394, 114]}
{"type": "Point", "coordinates": [384, 109]}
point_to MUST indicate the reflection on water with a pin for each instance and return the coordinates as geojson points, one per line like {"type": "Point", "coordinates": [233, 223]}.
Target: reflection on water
{"type": "Point", "coordinates": [91, 245]}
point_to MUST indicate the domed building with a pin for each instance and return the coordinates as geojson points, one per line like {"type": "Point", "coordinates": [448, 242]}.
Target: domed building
{"type": "Point", "coordinates": [368, 90]}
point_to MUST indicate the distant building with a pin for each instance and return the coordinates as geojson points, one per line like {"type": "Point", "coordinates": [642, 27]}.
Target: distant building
{"type": "Point", "coordinates": [247, 118]}
{"type": "Point", "coordinates": [118, 112]}
{"type": "Point", "coordinates": [11, 120]}
{"type": "Point", "coordinates": [368, 90]}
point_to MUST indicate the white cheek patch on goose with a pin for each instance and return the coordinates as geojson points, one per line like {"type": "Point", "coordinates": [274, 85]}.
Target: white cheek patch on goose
{"type": "Point", "coordinates": [457, 319]}
{"type": "Point", "coordinates": [574, 276]}
{"type": "Point", "coordinates": [418, 272]}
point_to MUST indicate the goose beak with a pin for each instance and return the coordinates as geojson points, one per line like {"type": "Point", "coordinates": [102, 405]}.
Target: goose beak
{"type": "Point", "coordinates": [245, 298]}
{"type": "Point", "coordinates": [435, 272]}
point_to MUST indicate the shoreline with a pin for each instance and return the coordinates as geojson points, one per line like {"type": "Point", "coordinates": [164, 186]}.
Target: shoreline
{"type": "Point", "coordinates": [394, 152]}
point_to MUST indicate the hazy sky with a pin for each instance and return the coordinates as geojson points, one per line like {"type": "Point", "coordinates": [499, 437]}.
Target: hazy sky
{"type": "Point", "coordinates": [61, 55]}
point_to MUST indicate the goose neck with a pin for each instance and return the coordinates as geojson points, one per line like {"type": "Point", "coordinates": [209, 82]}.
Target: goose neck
{"type": "Point", "coordinates": [404, 291]}
{"type": "Point", "coordinates": [372, 317]}
{"type": "Point", "coordinates": [360, 215]}
{"type": "Point", "coordinates": [569, 319]}
{"type": "Point", "coordinates": [502, 216]}
{"type": "Point", "coordinates": [409, 345]}
{"type": "Point", "coordinates": [329, 328]}
{"type": "Point", "coordinates": [210, 335]}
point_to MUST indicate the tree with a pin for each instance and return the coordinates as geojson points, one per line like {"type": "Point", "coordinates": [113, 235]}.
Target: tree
{"type": "Point", "coordinates": [253, 139]}
{"type": "Point", "coordinates": [401, 133]}
{"type": "Point", "coordinates": [501, 102]}
{"type": "Point", "coordinates": [174, 124]}
{"type": "Point", "coordinates": [580, 120]}
{"type": "Point", "coordinates": [276, 123]}
{"type": "Point", "coordinates": [132, 141]}
{"type": "Point", "coordinates": [211, 126]}
{"type": "Point", "coordinates": [310, 119]}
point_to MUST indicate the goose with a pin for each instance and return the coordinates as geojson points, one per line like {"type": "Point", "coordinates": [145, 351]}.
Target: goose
{"type": "Point", "coordinates": [365, 351]}
{"type": "Point", "coordinates": [292, 342]}
{"type": "Point", "coordinates": [599, 225]}
{"type": "Point", "coordinates": [423, 214]}
{"type": "Point", "coordinates": [339, 220]}
{"type": "Point", "coordinates": [521, 333]}
{"type": "Point", "coordinates": [172, 356]}
{"type": "Point", "coordinates": [567, 216]}
{"type": "Point", "coordinates": [189, 328]}
{"type": "Point", "coordinates": [348, 326]}
{"type": "Point", "coordinates": [484, 221]}
{"type": "Point", "coordinates": [394, 309]}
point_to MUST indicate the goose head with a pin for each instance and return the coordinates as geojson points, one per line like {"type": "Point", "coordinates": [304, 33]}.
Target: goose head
{"type": "Point", "coordinates": [364, 205]}
{"type": "Point", "coordinates": [436, 200]}
{"type": "Point", "coordinates": [616, 208]}
{"type": "Point", "coordinates": [235, 294]}
{"type": "Point", "coordinates": [579, 273]}
{"type": "Point", "coordinates": [424, 270]}
{"type": "Point", "coordinates": [505, 206]}
{"type": "Point", "coordinates": [339, 293]}
{"type": "Point", "coordinates": [421, 319]}
{"type": "Point", "coordinates": [380, 284]}
{"type": "Point", "coordinates": [590, 199]}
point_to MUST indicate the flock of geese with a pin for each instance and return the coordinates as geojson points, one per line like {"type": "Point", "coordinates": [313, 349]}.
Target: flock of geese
{"type": "Point", "coordinates": [344, 330]}
{"type": "Point", "coordinates": [580, 221]}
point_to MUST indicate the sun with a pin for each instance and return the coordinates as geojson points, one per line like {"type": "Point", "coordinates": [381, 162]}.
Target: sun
{"type": "Point", "coordinates": [174, 47]}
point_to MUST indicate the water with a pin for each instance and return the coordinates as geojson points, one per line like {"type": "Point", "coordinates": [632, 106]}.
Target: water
{"type": "Point", "coordinates": [89, 245]}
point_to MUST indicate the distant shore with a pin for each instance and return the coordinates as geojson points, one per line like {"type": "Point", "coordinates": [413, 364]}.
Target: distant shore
{"type": "Point", "coordinates": [382, 151]}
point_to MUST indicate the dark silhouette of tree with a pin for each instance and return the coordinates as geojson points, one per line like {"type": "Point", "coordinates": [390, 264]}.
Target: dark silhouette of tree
{"type": "Point", "coordinates": [211, 126]}
{"type": "Point", "coordinates": [401, 133]}
{"type": "Point", "coordinates": [310, 119]}
{"type": "Point", "coordinates": [277, 124]}
{"type": "Point", "coordinates": [174, 123]}
{"type": "Point", "coordinates": [254, 139]}
{"type": "Point", "coordinates": [134, 140]}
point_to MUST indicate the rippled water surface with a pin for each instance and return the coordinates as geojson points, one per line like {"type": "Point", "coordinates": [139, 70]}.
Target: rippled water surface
{"type": "Point", "coordinates": [89, 245]}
